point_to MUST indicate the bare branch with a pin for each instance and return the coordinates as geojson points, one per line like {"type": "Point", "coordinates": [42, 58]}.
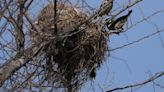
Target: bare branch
{"type": "Point", "coordinates": [156, 76]}
{"type": "Point", "coordinates": [16, 63]}
{"type": "Point", "coordinates": [136, 41]}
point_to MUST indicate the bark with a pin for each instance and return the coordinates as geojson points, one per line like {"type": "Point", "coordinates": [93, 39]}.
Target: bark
{"type": "Point", "coordinates": [17, 62]}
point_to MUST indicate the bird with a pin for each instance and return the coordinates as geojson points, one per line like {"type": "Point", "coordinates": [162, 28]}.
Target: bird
{"type": "Point", "coordinates": [105, 7]}
{"type": "Point", "coordinates": [118, 24]}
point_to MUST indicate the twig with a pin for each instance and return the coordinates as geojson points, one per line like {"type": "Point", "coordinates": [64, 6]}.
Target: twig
{"type": "Point", "coordinates": [136, 41]}
{"type": "Point", "coordinates": [156, 76]}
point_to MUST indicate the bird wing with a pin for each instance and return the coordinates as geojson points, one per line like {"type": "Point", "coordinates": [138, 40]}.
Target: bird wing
{"type": "Point", "coordinates": [105, 7]}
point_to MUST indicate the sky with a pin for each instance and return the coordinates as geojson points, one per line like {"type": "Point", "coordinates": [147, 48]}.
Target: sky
{"type": "Point", "coordinates": [137, 62]}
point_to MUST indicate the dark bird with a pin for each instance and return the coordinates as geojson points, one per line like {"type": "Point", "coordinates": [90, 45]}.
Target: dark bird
{"type": "Point", "coordinates": [105, 7]}
{"type": "Point", "coordinates": [118, 24]}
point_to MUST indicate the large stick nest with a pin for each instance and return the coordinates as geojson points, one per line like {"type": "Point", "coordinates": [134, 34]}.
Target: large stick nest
{"type": "Point", "coordinates": [76, 57]}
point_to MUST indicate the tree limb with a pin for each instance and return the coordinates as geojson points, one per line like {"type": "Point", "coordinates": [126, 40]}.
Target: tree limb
{"type": "Point", "coordinates": [156, 76]}
{"type": "Point", "coordinates": [16, 63]}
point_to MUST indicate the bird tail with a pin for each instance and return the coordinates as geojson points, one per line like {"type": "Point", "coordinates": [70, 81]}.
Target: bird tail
{"type": "Point", "coordinates": [129, 12]}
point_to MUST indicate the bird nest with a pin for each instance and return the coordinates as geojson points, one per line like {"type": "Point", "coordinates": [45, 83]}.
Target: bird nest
{"type": "Point", "coordinates": [75, 58]}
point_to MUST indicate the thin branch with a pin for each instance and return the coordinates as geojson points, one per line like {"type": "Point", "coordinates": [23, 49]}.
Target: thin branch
{"type": "Point", "coordinates": [20, 59]}
{"type": "Point", "coordinates": [136, 41]}
{"type": "Point", "coordinates": [156, 76]}
{"type": "Point", "coordinates": [28, 5]}
{"type": "Point", "coordinates": [30, 22]}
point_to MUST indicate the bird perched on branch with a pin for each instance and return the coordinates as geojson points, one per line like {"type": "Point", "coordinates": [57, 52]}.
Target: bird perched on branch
{"type": "Point", "coordinates": [105, 8]}
{"type": "Point", "coordinates": [118, 24]}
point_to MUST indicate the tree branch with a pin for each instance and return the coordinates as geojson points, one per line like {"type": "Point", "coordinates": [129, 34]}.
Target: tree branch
{"type": "Point", "coordinates": [136, 41]}
{"type": "Point", "coordinates": [16, 63]}
{"type": "Point", "coordinates": [156, 76]}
